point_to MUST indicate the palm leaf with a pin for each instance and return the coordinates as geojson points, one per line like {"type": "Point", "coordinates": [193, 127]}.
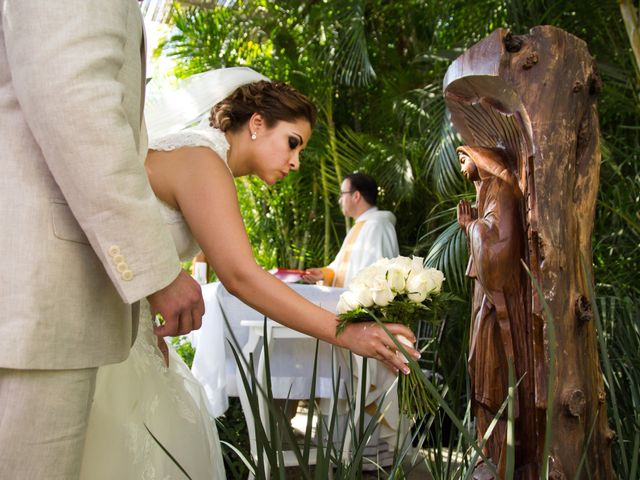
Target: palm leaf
{"type": "Point", "coordinates": [447, 254]}
{"type": "Point", "coordinates": [351, 62]}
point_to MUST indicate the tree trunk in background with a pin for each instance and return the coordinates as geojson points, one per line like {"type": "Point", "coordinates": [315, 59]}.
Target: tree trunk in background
{"type": "Point", "coordinates": [535, 97]}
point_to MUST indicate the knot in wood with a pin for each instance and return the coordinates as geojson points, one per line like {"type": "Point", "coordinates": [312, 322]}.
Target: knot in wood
{"type": "Point", "coordinates": [594, 81]}
{"type": "Point", "coordinates": [584, 313]}
{"type": "Point", "coordinates": [557, 475]}
{"type": "Point", "coordinates": [575, 402]}
{"type": "Point", "coordinates": [577, 86]}
{"type": "Point", "coordinates": [601, 396]}
{"type": "Point", "coordinates": [555, 468]}
{"type": "Point", "coordinates": [512, 44]}
{"type": "Point", "coordinates": [530, 61]}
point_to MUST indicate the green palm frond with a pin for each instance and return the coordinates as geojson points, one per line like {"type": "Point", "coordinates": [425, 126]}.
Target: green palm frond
{"type": "Point", "coordinates": [388, 164]}
{"type": "Point", "coordinates": [448, 254]}
{"type": "Point", "coordinates": [351, 63]}
{"type": "Point", "coordinates": [442, 160]}
{"type": "Point", "coordinates": [353, 148]}
{"type": "Point", "coordinates": [423, 111]}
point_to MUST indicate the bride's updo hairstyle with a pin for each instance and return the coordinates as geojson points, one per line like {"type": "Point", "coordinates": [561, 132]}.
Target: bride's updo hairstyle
{"type": "Point", "coordinates": [275, 101]}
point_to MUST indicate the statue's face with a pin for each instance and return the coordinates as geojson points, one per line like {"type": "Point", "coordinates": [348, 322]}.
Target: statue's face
{"type": "Point", "coordinates": [468, 167]}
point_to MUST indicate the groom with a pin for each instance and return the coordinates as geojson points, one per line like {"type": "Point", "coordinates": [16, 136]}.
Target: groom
{"type": "Point", "coordinates": [82, 237]}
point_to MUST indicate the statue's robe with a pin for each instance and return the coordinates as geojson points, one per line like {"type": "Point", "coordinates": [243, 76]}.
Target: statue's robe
{"type": "Point", "coordinates": [499, 330]}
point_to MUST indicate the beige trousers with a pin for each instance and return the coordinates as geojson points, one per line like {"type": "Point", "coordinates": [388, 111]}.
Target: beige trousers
{"type": "Point", "coordinates": [43, 420]}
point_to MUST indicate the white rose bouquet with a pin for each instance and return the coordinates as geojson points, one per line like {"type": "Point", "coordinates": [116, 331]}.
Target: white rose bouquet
{"type": "Point", "coordinates": [398, 290]}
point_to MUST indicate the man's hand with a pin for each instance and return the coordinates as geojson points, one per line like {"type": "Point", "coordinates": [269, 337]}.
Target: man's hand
{"type": "Point", "coordinates": [313, 275]}
{"type": "Point", "coordinates": [181, 305]}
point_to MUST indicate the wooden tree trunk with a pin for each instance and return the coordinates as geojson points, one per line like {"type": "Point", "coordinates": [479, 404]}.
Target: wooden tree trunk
{"type": "Point", "coordinates": [535, 96]}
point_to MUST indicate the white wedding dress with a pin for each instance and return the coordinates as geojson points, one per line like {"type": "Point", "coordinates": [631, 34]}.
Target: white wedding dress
{"type": "Point", "coordinates": [141, 398]}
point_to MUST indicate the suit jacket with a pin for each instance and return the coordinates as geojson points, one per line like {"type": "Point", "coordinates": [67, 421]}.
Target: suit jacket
{"type": "Point", "coordinates": [82, 235]}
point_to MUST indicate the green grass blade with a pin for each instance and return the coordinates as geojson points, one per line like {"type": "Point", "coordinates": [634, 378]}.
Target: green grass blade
{"type": "Point", "coordinates": [167, 452]}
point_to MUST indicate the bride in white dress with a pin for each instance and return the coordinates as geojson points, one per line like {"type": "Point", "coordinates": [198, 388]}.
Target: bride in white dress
{"type": "Point", "coordinates": [150, 421]}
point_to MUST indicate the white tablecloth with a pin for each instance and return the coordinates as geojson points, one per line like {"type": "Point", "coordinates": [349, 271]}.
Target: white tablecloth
{"type": "Point", "coordinates": [291, 360]}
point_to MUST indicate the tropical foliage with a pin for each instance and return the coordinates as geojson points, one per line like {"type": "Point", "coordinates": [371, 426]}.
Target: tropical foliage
{"type": "Point", "coordinates": [374, 69]}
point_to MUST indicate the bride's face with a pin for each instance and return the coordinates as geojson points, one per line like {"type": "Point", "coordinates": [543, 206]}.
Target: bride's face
{"type": "Point", "coordinates": [277, 149]}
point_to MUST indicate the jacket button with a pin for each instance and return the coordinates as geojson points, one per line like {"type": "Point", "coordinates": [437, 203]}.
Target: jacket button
{"type": "Point", "coordinates": [118, 259]}
{"type": "Point", "coordinates": [127, 275]}
{"type": "Point", "coordinates": [122, 267]}
{"type": "Point", "coordinates": [114, 250]}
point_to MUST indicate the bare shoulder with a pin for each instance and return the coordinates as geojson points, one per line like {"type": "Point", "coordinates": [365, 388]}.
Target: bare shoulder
{"type": "Point", "coordinates": [174, 172]}
{"type": "Point", "coordinates": [201, 162]}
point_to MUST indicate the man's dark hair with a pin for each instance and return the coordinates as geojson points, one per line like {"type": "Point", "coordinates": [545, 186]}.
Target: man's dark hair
{"type": "Point", "coordinates": [366, 185]}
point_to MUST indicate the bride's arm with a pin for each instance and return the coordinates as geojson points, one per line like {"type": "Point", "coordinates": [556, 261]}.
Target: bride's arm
{"type": "Point", "coordinates": [205, 193]}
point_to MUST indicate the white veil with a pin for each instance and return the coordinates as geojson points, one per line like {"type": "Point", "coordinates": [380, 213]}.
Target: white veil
{"type": "Point", "coordinates": [170, 109]}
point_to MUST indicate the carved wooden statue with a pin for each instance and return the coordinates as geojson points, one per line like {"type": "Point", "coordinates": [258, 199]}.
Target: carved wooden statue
{"type": "Point", "coordinates": [526, 105]}
{"type": "Point", "coordinates": [500, 334]}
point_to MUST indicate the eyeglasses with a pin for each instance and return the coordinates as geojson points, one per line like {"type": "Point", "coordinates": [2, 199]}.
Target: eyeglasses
{"type": "Point", "coordinates": [347, 192]}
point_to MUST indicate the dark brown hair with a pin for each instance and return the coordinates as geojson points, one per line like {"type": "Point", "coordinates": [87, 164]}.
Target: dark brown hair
{"type": "Point", "coordinates": [365, 184]}
{"type": "Point", "coordinates": [275, 101]}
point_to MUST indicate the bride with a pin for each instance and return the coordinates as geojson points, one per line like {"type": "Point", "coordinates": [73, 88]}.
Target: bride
{"type": "Point", "coordinates": [150, 420]}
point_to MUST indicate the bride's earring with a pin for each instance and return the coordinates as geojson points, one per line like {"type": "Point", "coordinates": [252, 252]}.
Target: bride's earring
{"type": "Point", "coordinates": [253, 135]}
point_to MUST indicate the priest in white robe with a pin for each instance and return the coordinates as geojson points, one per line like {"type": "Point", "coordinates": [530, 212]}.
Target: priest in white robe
{"type": "Point", "coordinates": [372, 237]}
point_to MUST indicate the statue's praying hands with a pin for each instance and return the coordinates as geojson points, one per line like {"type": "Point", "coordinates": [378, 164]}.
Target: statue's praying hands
{"type": "Point", "coordinates": [466, 214]}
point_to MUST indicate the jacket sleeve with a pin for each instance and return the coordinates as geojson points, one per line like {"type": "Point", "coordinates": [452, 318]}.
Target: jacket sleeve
{"type": "Point", "coordinates": [67, 62]}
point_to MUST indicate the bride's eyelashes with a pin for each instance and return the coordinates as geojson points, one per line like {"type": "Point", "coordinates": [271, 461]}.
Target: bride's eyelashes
{"type": "Point", "coordinates": [294, 142]}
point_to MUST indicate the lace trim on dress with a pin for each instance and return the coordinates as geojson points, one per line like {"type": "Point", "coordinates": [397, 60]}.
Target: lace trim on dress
{"type": "Point", "coordinates": [198, 136]}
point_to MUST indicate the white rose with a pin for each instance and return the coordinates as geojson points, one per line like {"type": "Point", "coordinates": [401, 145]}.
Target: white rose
{"type": "Point", "coordinates": [418, 286]}
{"type": "Point", "coordinates": [383, 262]}
{"type": "Point", "coordinates": [417, 264]}
{"type": "Point", "coordinates": [402, 263]}
{"type": "Point", "coordinates": [437, 278]}
{"type": "Point", "coordinates": [347, 302]}
{"type": "Point", "coordinates": [396, 279]}
{"type": "Point", "coordinates": [381, 292]}
{"type": "Point", "coordinates": [367, 275]}
{"type": "Point", "coordinates": [362, 293]}
{"type": "Point", "coordinates": [423, 283]}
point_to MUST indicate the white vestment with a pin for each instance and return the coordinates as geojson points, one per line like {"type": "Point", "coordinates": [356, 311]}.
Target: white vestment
{"type": "Point", "coordinates": [376, 239]}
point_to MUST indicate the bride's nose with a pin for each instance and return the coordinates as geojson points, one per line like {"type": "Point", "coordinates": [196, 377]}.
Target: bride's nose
{"type": "Point", "coordinates": [294, 163]}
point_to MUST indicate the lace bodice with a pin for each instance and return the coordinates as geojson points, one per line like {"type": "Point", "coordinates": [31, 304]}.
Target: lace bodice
{"type": "Point", "coordinates": [198, 136]}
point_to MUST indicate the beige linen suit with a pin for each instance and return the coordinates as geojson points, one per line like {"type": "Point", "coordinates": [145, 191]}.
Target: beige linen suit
{"type": "Point", "coordinates": [81, 234]}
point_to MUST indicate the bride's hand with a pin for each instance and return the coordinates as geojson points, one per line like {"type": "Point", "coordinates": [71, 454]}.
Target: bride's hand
{"type": "Point", "coordinates": [370, 340]}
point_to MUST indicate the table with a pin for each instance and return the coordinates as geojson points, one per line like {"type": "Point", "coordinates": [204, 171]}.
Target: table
{"type": "Point", "coordinates": [291, 361]}
{"type": "Point", "coordinates": [292, 357]}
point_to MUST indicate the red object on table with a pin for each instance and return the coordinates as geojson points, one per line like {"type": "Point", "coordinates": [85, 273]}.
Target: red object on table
{"type": "Point", "coordinates": [288, 275]}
